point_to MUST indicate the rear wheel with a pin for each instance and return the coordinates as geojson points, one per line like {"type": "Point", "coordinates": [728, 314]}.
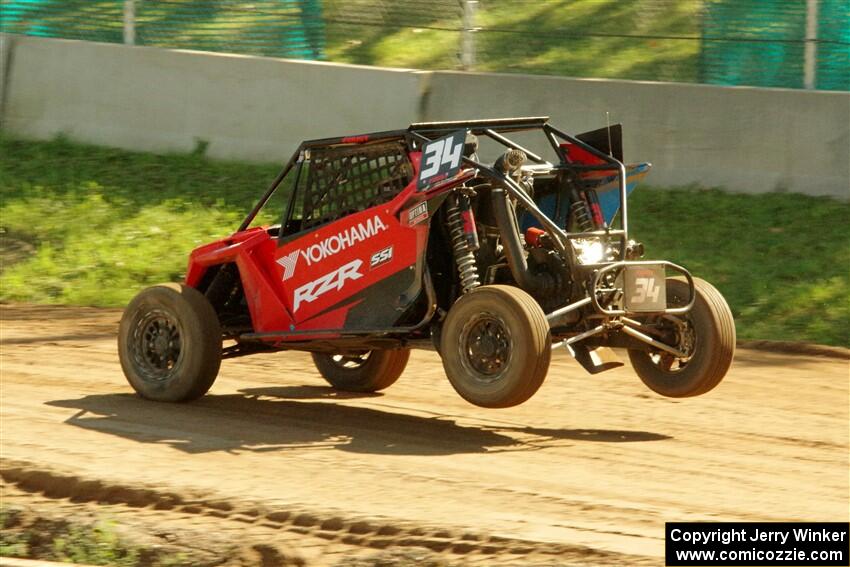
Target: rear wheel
{"type": "Point", "coordinates": [169, 343]}
{"type": "Point", "coordinates": [496, 346]}
{"type": "Point", "coordinates": [706, 334]}
{"type": "Point", "coordinates": [362, 372]}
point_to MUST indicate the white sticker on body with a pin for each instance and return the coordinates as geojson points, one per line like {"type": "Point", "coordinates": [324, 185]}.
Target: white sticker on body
{"type": "Point", "coordinates": [335, 280]}
{"type": "Point", "coordinates": [331, 245]}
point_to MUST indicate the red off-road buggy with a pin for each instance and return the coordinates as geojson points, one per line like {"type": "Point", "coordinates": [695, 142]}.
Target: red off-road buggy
{"type": "Point", "coordinates": [407, 239]}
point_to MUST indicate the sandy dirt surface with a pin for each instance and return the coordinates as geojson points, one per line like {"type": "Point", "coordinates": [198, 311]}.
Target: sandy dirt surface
{"type": "Point", "coordinates": [586, 471]}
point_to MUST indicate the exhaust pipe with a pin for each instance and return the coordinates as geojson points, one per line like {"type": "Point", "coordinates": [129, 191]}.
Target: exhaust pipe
{"type": "Point", "coordinates": [503, 212]}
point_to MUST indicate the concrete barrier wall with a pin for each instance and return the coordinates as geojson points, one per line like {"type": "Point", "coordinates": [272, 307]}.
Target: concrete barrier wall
{"type": "Point", "coordinates": [743, 139]}
{"type": "Point", "coordinates": [141, 98]}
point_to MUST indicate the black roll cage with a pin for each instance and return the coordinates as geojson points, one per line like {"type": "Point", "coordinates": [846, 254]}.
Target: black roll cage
{"type": "Point", "coordinates": [424, 132]}
{"type": "Point", "coordinates": [421, 133]}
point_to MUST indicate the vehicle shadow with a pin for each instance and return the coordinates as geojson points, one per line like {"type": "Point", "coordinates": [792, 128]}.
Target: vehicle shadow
{"type": "Point", "coordinates": [75, 337]}
{"type": "Point", "coordinates": [278, 419]}
{"type": "Point", "coordinates": [597, 435]}
{"type": "Point", "coordinates": [306, 392]}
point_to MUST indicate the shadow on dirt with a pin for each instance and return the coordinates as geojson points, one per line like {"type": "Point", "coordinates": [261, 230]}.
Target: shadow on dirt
{"type": "Point", "coordinates": [307, 393]}
{"type": "Point", "coordinates": [266, 420]}
{"type": "Point", "coordinates": [53, 339]}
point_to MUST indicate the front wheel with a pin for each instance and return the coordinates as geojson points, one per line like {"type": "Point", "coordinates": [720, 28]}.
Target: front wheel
{"type": "Point", "coordinates": [362, 372]}
{"type": "Point", "coordinates": [706, 334]}
{"type": "Point", "coordinates": [169, 343]}
{"type": "Point", "coordinates": [496, 346]}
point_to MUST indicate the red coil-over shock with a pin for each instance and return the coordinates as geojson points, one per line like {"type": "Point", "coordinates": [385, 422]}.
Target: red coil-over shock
{"type": "Point", "coordinates": [461, 222]}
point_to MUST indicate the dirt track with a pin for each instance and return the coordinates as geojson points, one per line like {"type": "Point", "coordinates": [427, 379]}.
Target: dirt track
{"type": "Point", "coordinates": [588, 470]}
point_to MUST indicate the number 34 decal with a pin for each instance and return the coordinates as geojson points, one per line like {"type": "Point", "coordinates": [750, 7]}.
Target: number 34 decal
{"type": "Point", "coordinates": [441, 159]}
{"type": "Point", "coordinates": [646, 288]}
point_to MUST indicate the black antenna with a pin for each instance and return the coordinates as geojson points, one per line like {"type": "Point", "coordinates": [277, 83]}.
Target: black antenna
{"type": "Point", "coordinates": [608, 124]}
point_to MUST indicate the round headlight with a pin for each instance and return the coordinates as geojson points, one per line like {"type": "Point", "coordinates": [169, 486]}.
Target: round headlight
{"type": "Point", "coordinates": [589, 251]}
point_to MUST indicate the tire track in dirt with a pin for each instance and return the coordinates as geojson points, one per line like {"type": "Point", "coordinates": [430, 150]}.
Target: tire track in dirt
{"type": "Point", "coordinates": [354, 532]}
{"type": "Point", "coordinates": [590, 462]}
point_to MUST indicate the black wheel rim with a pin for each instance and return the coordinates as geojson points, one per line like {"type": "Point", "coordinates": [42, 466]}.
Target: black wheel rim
{"type": "Point", "coordinates": [485, 347]}
{"type": "Point", "coordinates": [157, 346]}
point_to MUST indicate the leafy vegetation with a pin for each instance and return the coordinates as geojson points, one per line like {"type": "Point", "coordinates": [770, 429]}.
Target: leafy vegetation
{"type": "Point", "coordinates": [12, 544]}
{"type": "Point", "coordinates": [94, 545]}
{"type": "Point", "coordinates": [103, 223]}
{"type": "Point", "coordinates": [97, 543]}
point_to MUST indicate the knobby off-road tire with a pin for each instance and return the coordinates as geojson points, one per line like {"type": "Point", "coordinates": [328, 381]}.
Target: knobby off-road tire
{"type": "Point", "coordinates": [713, 335]}
{"type": "Point", "coordinates": [169, 343]}
{"type": "Point", "coordinates": [496, 346]}
{"type": "Point", "coordinates": [368, 372]}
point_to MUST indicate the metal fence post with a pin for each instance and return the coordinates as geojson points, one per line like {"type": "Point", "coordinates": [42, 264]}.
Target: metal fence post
{"type": "Point", "coordinates": [129, 22]}
{"type": "Point", "coordinates": [467, 42]}
{"type": "Point", "coordinates": [810, 61]}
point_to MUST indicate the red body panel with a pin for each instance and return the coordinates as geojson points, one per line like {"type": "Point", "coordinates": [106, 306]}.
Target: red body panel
{"type": "Point", "coordinates": [312, 281]}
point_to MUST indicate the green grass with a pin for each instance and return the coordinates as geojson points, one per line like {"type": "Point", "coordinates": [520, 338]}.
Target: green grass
{"type": "Point", "coordinates": [552, 39]}
{"type": "Point", "coordinates": [104, 223]}
{"type": "Point", "coordinates": [107, 222]}
{"type": "Point", "coordinates": [781, 260]}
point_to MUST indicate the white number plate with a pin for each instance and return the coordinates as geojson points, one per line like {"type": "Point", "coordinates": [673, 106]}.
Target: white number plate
{"type": "Point", "coordinates": [441, 159]}
{"type": "Point", "coordinates": [645, 288]}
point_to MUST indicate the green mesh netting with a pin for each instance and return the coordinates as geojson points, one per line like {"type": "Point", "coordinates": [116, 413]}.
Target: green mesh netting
{"type": "Point", "coordinates": [727, 42]}
{"type": "Point", "coordinates": [833, 62]}
{"type": "Point", "coordinates": [277, 28]}
{"type": "Point", "coordinates": [762, 43]}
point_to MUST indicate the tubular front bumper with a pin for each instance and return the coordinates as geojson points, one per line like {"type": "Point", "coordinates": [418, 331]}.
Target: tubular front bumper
{"type": "Point", "coordinates": [596, 282]}
{"type": "Point", "coordinates": [617, 319]}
